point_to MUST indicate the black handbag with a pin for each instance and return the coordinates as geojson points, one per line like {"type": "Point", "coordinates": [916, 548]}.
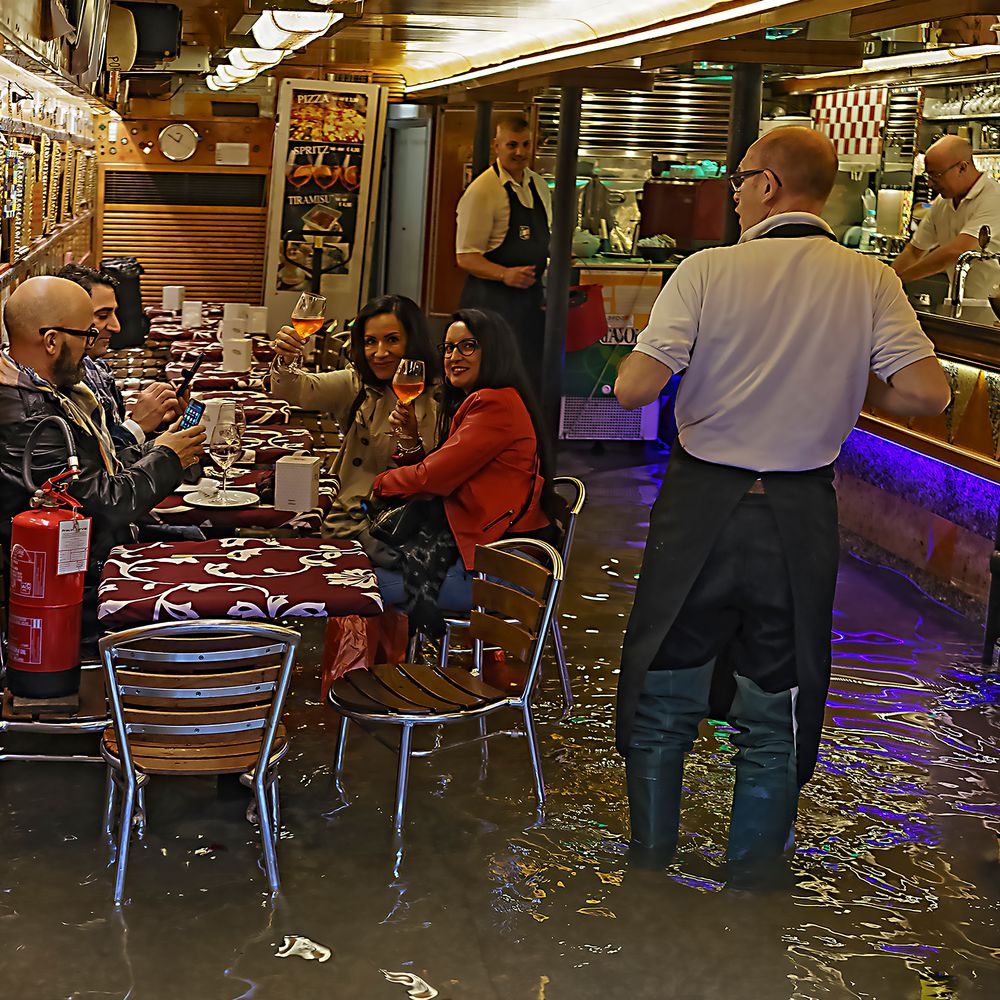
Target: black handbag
{"type": "Point", "coordinates": [395, 522]}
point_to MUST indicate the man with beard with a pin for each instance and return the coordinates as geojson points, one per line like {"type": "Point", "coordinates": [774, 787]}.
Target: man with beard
{"type": "Point", "coordinates": [155, 405]}
{"type": "Point", "coordinates": [49, 324]}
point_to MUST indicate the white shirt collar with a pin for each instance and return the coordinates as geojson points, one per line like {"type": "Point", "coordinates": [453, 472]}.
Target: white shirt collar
{"type": "Point", "coordinates": [974, 192]}
{"type": "Point", "coordinates": [784, 219]}
{"type": "Point", "coordinates": [504, 177]}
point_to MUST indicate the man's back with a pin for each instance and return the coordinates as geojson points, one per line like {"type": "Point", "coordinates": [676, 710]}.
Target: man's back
{"type": "Point", "coordinates": [778, 336]}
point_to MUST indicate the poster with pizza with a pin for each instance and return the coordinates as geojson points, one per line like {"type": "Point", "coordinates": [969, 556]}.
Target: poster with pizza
{"type": "Point", "coordinates": [326, 139]}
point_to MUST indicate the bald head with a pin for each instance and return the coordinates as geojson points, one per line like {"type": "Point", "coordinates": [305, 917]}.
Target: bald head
{"type": "Point", "coordinates": [950, 167]}
{"type": "Point", "coordinates": [803, 158]}
{"type": "Point", "coordinates": [32, 316]}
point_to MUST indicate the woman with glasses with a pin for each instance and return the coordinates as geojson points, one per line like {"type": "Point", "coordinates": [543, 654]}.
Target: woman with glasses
{"type": "Point", "coordinates": [491, 471]}
{"type": "Point", "coordinates": [361, 400]}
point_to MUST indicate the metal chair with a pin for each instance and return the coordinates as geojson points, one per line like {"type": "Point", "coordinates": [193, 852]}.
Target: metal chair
{"type": "Point", "coordinates": [572, 495]}
{"type": "Point", "coordinates": [513, 600]}
{"type": "Point", "coordinates": [195, 698]}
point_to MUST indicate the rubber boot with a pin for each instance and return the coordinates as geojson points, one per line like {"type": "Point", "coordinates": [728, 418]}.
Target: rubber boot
{"type": "Point", "coordinates": [671, 705]}
{"type": "Point", "coordinates": [766, 795]}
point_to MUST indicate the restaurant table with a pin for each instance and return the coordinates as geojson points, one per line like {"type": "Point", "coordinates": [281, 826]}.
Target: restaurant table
{"type": "Point", "coordinates": [260, 409]}
{"type": "Point", "coordinates": [190, 350]}
{"type": "Point", "coordinates": [271, 443]}
{"type": "Point", "coordinates": [175, 510]}
{"type": "Point", "coordinates": [236, 578]}
{"type": "Point", "coordinates": [211, 375]}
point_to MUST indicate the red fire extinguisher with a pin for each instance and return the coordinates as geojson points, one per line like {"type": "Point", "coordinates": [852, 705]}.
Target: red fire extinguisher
{"type": "Point", "coordinates": [49, 548]}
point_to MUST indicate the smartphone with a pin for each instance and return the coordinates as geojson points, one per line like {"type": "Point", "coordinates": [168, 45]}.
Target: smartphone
{"type": "Point", "coordinates": [188, 375]}
{"type": "Point", "coordinates": [192, 414]}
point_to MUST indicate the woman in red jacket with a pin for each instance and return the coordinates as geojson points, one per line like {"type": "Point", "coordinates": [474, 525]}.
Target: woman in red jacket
{"type": "Point", "coordinates": [491, 470]}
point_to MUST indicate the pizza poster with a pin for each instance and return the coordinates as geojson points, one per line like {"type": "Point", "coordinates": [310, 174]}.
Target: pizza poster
{"type": "Point", "coordinates": [326, 140]}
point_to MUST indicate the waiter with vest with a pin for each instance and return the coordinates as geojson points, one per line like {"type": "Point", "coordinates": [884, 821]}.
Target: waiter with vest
{"type": "Point", "coordinates": [781, 339]}
{"type": "Point", "coordinates": [502, 241]}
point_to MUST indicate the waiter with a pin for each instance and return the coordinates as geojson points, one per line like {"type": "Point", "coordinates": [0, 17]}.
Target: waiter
{"type": "Point", "coordinates": [777, 336]}
{"type": "Point", "coordinates": [502, 241]}
{"type": "Point", "coordinates": [966, 200]}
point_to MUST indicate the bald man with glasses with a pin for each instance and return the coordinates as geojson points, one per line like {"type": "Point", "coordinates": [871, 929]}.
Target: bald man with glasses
{"type": "Point", "coordinates": [967, 200]}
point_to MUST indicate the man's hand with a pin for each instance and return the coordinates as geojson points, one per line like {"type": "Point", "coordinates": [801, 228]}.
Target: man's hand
{"type": "Point", "coordinates": [187, 445]}
{"type": "Point", "coordinates": [155, 405]}
{"type": "Point", "coordinates": [519, 277]}
{"type": "Point", "coordinates": [286, 345]}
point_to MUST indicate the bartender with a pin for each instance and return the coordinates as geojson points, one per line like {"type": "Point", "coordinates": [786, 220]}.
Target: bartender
{"type": "Point", "coordinates": [502, 242]}
{"type": "Point", "coordinates": [967, 199]}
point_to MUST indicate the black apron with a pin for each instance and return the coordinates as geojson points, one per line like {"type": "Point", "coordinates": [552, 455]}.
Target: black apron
{"type": "Point", "coordinates": [695, 502]}
{"type": "Point", "coordinates": [525, 245]}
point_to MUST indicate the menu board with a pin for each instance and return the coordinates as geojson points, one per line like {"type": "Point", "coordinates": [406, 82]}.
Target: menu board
{"type": "Point", "coordinates": [326, 139]}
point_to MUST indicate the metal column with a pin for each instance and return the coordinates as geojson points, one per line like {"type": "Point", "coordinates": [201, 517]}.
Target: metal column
{"type": "Point", "coordinates": [744, 127]}
{"type": "Point", "coordinates": [483, 142]}
{"type": "Point", "coordinates": [564, 219]}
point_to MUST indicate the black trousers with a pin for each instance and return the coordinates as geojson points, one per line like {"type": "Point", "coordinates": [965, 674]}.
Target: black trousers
{"type": "Point", "coordinates": [740, 604]}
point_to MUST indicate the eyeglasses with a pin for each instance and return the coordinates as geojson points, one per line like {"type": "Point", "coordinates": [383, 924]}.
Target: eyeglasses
{"type": "Point", "coordinates": [936, 175]}
{"type": "Point", "coordinates": [737, 177]}
{"type": "Point", "coordinates": [464, 347]}
{"type": "Point", "coordinates": [90, 335]}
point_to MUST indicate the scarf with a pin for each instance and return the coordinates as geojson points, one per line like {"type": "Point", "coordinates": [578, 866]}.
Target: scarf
{"type": "Point", "coordinates": [78, 404]}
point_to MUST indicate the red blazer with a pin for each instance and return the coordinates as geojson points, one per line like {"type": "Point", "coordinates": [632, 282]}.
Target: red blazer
{"type": "Point", "coordinates": [486, 470]}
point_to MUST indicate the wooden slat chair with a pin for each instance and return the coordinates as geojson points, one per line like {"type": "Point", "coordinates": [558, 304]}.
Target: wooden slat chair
{"type": "Point", "coordinates": [513, 599]}
{"type": "Point", "coordinates": [571, 495]}
{"type": "Point", "coordinates": [195, 698]}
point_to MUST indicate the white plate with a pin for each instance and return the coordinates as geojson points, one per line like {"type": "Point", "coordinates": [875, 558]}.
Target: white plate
{"type": "Point", "coordinates": [237, 498]}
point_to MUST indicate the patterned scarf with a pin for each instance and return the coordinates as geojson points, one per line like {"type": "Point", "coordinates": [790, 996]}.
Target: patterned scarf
{"type": "Point", "coordinates": [78, 404]}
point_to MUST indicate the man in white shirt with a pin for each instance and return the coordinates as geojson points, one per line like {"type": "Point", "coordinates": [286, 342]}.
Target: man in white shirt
{"type": "Point", "coordinates": [966, 200]}
{"type": "Point", "coordinates": [781, 338]}
{"type": "Point", "coordinates": [502, 240]}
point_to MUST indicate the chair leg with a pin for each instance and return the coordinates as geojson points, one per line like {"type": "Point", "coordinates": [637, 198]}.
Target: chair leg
{"type": "Point", "coordinates": [557, 642]}
{"type": "Point", "coordinates": [124, 837]}
{"type": "Point", "coordinates": [109, 811]}
{"type": "Point", "coordinates": [267, 833]}
{"type": "Point", "coordinates": [445, 647]}
{"type": "Point", "coordinates": [536, 755]}
{"type": "Point", "coordinates": [272, 794]}
{"type": "Point", "coordinates": [338, 760]}
{"type": "Point", "coordinates": [140, 815]}
{"type": "Point", "coordinates": [402, 777]}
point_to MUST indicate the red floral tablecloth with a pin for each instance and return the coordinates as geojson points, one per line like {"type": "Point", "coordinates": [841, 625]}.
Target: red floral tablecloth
{"type": "Point", "coordinates": [211, 375]}
{"type": "Point", "coordinates": [236, 578]}
{"type": "Point", "coordinates": [258, 407]}
{"type": "Point", "coordinates": [271, 443]}
{"type": "Point", "coordinates": [190, 350]}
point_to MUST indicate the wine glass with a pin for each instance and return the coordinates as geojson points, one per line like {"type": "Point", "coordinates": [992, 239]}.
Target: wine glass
{"type": "Point", "coordinates": [225, 447]}
{"type": "Point", "coordinates": [408, 382]}
{"type": "Point", "coordinates": [307, 318]}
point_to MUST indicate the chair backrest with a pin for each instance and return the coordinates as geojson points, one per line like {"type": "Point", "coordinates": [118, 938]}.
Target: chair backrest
{"type": "Point", "coordinates": [198, 683]}
{"type": "Point", "coordinates": [513, 597]}
{"type": "Point", "coordinates": [571, 495]}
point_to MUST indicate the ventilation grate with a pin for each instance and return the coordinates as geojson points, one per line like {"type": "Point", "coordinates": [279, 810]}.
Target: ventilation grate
{"type": "Point", "coordinates": [684, 115]}
{"type": "Point", "coordinates": [902, 120]}
{"type": "Point", "coordinates": [130, 187]}
{"type": "Point", "coordinates": [601, 419]}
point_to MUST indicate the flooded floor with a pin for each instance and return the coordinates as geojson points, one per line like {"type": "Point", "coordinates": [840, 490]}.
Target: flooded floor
{"type": "Point", "coordinates": [897, 868]}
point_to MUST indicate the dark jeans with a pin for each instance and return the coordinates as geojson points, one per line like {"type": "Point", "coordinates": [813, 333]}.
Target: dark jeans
{"type": "Point", "coordinates": [740, 602]}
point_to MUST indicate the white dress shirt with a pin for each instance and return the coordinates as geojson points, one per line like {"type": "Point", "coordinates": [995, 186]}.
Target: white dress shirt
{"type": "Point", "coordinates": [484, 211]}
{"type": "Point", "coordinates": [944, 222]}
{"type": "Point", "coordinates": [777, 337]}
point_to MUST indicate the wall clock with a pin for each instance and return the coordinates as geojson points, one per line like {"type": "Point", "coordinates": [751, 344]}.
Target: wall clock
{"type": "Point", "coordinates": [178, 142]}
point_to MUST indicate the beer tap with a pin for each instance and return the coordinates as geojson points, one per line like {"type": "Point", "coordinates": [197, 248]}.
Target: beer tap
{"type": "Point", "coordinates": [962, 265]}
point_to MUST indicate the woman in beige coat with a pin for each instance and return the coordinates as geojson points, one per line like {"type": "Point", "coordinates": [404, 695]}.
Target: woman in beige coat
{"type": "Point", "coordinates": [360, 399]}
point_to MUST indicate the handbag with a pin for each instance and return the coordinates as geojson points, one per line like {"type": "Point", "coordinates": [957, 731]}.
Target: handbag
{"type": "Point", "coordinates": [395, 522]}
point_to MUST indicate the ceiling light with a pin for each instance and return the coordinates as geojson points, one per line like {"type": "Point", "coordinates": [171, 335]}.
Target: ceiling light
{"type": "Point", "coordinates": [229, 74]}
{"type": "Point", "coordinates": [214, 83]}
{"type": "Point", "coordinates": [291, 29]}
{"type": "Point", "coordinates": [256, 58]}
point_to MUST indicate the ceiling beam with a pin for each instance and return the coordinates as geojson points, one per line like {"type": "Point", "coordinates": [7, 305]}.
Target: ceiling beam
{"type": "Point", "coordinates": [598, 78]}
{"type": "Point", "coordinates": [905, 76]}
{"type": "Point", "coordinates": [786, 52]}
{"type": "Point", "coordinates": [902, 13]}
{"type": "Point", "coordinates": [796, 10]}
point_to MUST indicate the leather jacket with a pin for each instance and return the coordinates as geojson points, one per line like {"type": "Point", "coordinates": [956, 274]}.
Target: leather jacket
{"type": "Point", "coordinates": [114, 501]}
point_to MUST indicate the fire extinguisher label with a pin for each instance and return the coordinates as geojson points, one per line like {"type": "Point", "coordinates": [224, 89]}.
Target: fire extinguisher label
{"type": "Point", "coordinates": [25, 640]}
{"type": "Point", "coordinates": [27, 572]}
{"type": "Point", "coordinates": [74, 545]}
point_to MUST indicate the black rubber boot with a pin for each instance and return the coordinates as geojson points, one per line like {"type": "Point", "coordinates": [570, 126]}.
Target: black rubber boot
{"type": "Point", "coordinates": [671, 705]}
{"type": "Point", "coordinates": [766, 795]}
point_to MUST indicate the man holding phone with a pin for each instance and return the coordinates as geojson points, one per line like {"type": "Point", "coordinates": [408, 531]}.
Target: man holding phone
{"type": "Point", "coordinates": [155, 405]}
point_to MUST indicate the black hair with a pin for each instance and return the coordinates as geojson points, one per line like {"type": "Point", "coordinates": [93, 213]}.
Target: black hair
{"type": "Point", "coordinates": [418, 338]}
{"type": "Point", "coordinates": [87, 277]}
{"type": "Point", "coordinates": [500, 367]}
